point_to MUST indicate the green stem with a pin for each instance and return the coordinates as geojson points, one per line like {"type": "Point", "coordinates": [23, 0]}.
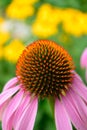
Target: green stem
{"type": "Point", "coordinates": [51, 103]}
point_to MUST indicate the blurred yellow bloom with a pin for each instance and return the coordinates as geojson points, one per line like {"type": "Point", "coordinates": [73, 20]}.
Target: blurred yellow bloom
{"type": "Point", "coordinates": [48, 18]}
{"type": "Point", "coordinates": [4, 37]}
{"type": "Point", "coordinates": [25, 2]}
{"type": "Point", "coordinates": [19, 11]}
{"type": "Point", "coordinates": [46, 21]}
{"type": "Point", "coordinates": [49, 14]}
{"type": "Point", "coordinates": [74, 22]}
{"type": "Point", "coordinates": [13, 50]}
{"type": "Point", "coordinates": [43, 30]}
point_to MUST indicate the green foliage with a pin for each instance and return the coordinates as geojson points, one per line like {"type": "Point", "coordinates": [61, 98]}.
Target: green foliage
{"type": "Point", "coordinates": [4, 3]}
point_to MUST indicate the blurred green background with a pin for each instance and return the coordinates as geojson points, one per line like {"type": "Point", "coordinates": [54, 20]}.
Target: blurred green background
{"type": "Point", "coordinates": [23, 21]}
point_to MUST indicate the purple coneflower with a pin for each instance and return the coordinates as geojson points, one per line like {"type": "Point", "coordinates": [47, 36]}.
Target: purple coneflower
{"type": "Point", "coordinates": [44, 69]}
{"type": "Point", "coordinates": [83, 60]}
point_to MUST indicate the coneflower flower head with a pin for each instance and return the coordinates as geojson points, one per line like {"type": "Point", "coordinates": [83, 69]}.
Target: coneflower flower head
{"type": "Point", "coordinates": [44, 70]}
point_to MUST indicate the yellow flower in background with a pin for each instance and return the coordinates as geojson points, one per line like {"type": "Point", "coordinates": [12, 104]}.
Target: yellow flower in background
{"type": "Point", "coordinates": [43, 30]}
{"type": "Point", "coordinates": [17, 11]}
{"type": "Point", "coordinates": [46, 21]}
{"type": "Point", "coordinates": [49, 14]}
{"type": "Point", "coordinates": [48, 18]}
{"type": "Point", "coordinates": [13, 50]}
{"type": "Point", "coordinates": [20, 9]}
{"type": "Point", "coordinates": [73, 22]}
{"type": "Point", "coordinates": [25, 2]}
{"type": "Point", "coordinates": [4, 37]}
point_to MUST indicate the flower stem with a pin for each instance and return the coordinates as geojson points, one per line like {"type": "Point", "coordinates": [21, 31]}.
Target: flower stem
{"type": "Point", "coordinates": [51, 103]}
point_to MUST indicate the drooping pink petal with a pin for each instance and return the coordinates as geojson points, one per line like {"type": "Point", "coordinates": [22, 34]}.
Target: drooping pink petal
{"type": "Point", "coordinates": [2, 108]}
{"type": "Point", "coordinates": [80, 106]}
{"type": "Point", "coordinates": [20, 110]}
{"type": "Point", "coordinates": [83, 60]}
{"type": "Point", "coordinates": [7, 120]}
{"type": "Point", "coordinates": [27, 119]}
{"type": "Point", "coordinates": [7, 94]}
{"type": "Point", "coordinates": [8, 126]}
{"type": "Point", "coordinates": [11, 83]}
{"type": "Point", "coordinates": [74, 111]}
{"type": "Point", "coordinates": [79, 87]}
{"type": "Point", "coordinates": [61, 117]}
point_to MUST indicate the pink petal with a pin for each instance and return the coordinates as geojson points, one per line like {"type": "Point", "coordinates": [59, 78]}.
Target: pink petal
{"type": "Point", "coordinates": [9, 111]}
{"type": "Point", "coordinates": [27, 119]}
{"type": "Point", "coordinates": [11, 83]}
{"type": "Point", "coordinates": [61, 117]}
{"type": "Point", "coordinates": [80, 106]}
{"type": "Point", "coordinates": [79, 87]}
{"type": "Point", "coordinates": [2, 108]}
{"type": "Point", "coordinates": [7, 94]}
{"type": "Point", "coordinates": [73, 110]}
{"type": "Point", "coordinates": [21, 109]}
{"type": "Point", "coordinates": [83, 60]}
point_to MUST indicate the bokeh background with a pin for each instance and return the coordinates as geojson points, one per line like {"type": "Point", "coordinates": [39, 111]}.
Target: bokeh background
{"type": "Point", "coordinates": [23, 21]}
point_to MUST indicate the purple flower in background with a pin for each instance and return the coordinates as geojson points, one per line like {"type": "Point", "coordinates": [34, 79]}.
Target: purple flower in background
{"type": "Point", "coordinates": [44, 69]}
